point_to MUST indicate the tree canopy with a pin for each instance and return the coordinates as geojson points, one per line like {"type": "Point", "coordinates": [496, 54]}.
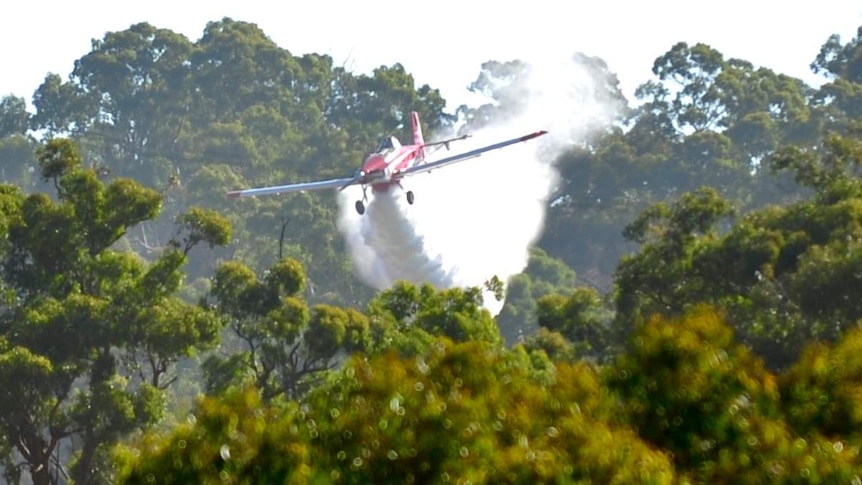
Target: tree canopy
{"type": "Point", "coordinates": [690, 313]}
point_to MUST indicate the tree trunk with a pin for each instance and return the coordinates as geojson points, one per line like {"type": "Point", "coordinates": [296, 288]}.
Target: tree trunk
{"type": "Point", "coordinates": [83, 470]}
{"type": "Point", "coordinates": [41, 474]}
{"type": "Point", "coordinates": [38, 455]}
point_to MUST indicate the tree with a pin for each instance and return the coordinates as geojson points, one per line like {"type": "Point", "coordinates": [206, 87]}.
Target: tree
{"type": "Point", "coordinates": [138, 80]}
{"type": "Point", "coordinates": [282, 346]}
{"type": "Point", "coordinates": [95, 330]}
{"type": "Point", "coordinates": [652, 280]}
{"type": "Point", "coordinates": [784, 274]}
{"type": "Point", "coordinates": [741, 116]}
{"type": "Point", "coordinates": [820, 391]}
{"type": "Point", "coordinates": [367, 107]}
{"type": "Point", "coordinates": [18, 161]}
{"type": "Point", "coordinates": [407, 317]}
{"type": "Point", "coordinates": [543, 275]}
{"type": "Point", "coordinates": [467, 411]}
{"type": "Point", "coordinates": [238, 437]}
{"type": "Point", "coordinates": [472, 411]}
{"type": "Point", "coordinates": [14, 118]}
{"type": "Point", "coordinates": [687, 387]}
{"type": "Point", "coordinates": [62, 108]}
{"type": "Point", "coordinates": [582, 318]}
{"type": "Point", "coordinates": [840, 61]}
{"type": "Point", "coordinates": [27, 398]}
{"type": "Point", "coordinates": [699, 90]}
{"type": "Point", "coordinates": [236, 67]}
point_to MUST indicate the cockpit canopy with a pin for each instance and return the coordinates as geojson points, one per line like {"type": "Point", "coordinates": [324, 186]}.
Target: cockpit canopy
{"type": "Point", "coordinates": [388, 143]}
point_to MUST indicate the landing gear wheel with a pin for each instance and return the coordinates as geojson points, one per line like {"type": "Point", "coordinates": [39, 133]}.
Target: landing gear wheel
{"type": "Point", "coordinates": [360, 207]}
{"type": "Point", "coordinates": [410, 197]}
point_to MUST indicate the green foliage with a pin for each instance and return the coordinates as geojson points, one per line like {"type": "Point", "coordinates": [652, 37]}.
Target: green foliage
{"type": "Point", "coordinates": [471, 412]}
{"type": "Point", "coordinates": [333, 328]}
{"type": "Point", "coordinates": [52, 239]}
{"type": "Point", "coordinates": [237, 439]}
{"type": "Point", "coordinates": [18, 161]}
{"type": "Point", "coordinates": [133, 84]}
{"type": "Point", "coordinates": [466, 411]}
{"type": "Point", "coordinates": [840, 61]}
{"type": "Point", "coordinates": [58, 157]}
{"type": "Point", "coordinates": [651, 280]}
{"type": "Point", "coordinates": [543, 275]}
{"type": "Point", "coordinates": [582, 318]}
{"type": "Point", "coordinates": [700, 90]}
{"type": "Point", "coordinates": [831, 169]}
{"type": "Point", "coordinates": [100, 327]}
{"type": "Point", "coordinates": [551, 345]}
{"type": "Point", "coordinates": [26, 379]}
{"type": "Point", "coordinates": [368, 106]}
{"type": "Point", "coordinates": [61, 108]}
{"type": "Point", "coordinates": [686, 383]}
{"type": "Point", "coordinates": [280, 345]}
{"type": "Point", "coordinates": [688, 388]}
{"type": "Point", "coordinates": [203, 225]}
{"type": "Point", "coordinates": [785, 274]}
{"type": "Point", "coordinates": [703, 121]}
{"type": "Point", "coordinates": [407, 317]}
{"type": "Point", "coordinates": [821, 391]}
{"type": "Point", "coordinates": [14, 118]}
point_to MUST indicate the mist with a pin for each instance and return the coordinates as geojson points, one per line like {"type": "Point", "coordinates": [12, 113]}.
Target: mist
{"type": "Point", "coordinates": [477, 219]}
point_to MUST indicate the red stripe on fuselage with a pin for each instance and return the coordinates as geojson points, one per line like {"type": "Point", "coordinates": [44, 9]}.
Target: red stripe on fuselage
{"type": "Point", "coordinates": [390, 166]}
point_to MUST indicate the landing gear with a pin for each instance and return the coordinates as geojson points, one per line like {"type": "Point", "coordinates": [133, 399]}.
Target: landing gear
{"type": "Point", "coordinates": [360, 204]}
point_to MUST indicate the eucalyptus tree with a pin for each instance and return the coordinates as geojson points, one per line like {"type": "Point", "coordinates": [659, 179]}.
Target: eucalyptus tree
{"type": "Point", "coordinates": [90, 333]}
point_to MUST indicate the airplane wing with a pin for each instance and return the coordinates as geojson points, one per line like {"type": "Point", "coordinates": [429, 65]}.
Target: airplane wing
{"type": "Point", "coordinates": [427, 167]}
{"type": "Point", "coordinates": [304, 187]}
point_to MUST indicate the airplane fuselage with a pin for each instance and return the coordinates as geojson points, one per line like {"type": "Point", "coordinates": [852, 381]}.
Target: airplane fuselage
{"type": "Point", "coordinates": [379, 169]}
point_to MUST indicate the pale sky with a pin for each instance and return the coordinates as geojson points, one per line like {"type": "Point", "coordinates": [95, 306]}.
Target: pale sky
{"type": "Point", "coordinates": [443, 42]}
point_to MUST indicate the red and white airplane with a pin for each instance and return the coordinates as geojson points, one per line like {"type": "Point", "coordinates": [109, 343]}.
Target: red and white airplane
{"type": "Point", "coordinates": [387, 166]}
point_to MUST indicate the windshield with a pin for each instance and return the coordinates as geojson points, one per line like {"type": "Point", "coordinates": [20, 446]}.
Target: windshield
{"type": "Point", "coordinates": [387, 143]}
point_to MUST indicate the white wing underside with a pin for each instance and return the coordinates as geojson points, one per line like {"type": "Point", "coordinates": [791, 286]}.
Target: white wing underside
{"type": "Point", "coordinates": [304, 187]}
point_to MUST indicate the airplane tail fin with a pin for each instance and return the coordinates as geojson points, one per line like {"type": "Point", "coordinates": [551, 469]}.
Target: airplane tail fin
{"type": "Point", "coordinates": [418, 139]}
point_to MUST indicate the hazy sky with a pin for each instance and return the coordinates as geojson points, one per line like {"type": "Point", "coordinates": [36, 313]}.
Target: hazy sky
{"type": "Point", "coordinates": [443, 42]}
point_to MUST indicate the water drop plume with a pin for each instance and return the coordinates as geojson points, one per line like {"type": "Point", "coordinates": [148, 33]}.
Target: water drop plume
{"type": "Point", "coordinates": [477, 219]}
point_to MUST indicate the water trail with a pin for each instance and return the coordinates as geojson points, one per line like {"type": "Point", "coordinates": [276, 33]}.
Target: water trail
{"type": "Point", "coordinates": [477, 219]}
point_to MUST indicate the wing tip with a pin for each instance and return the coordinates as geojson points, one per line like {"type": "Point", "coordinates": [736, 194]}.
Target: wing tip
{"type": "Point", "coordinates": [234, 194]}
{"type": "Point", "coordinates": [534, 135]}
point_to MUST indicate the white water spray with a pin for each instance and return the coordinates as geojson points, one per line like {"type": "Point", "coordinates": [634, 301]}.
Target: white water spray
{"type": "Point", "coordinates": [476, 219]}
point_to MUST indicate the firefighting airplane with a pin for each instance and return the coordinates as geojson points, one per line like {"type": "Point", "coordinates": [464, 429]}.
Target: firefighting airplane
{"type": "Point", "coordinates": [389, 163]}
